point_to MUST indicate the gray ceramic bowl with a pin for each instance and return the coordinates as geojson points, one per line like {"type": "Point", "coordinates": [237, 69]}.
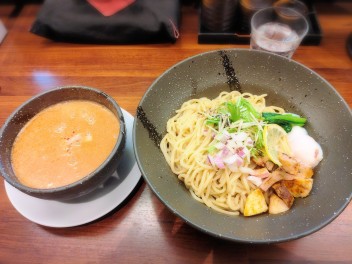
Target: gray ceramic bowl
{"type": "Point", "coordinates": [30, 108]}
{"type": "Point", "coordinates": [289, 85]}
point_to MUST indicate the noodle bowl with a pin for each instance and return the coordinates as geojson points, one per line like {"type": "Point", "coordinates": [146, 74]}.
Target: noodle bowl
{"type": "Point", "coordinates": [289, 85]}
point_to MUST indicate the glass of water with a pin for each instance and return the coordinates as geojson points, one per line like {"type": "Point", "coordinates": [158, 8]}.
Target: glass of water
{"type": "Point", "coordinates": [279, 30]}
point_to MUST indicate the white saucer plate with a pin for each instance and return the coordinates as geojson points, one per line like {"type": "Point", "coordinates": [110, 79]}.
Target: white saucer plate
{"type": "Point", "coordinates": [89, 207]}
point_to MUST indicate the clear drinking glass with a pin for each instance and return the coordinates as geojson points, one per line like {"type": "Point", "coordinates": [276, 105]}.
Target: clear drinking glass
{"type": "Point", "coordinates": [279, 30]}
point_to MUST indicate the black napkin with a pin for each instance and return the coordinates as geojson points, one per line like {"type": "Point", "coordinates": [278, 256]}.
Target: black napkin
{"type": "Point", "coordinates": [144, 21]}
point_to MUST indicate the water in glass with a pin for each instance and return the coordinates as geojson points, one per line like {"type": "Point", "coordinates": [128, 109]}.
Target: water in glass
{"type": "Point", "coordinates": [275, 37]}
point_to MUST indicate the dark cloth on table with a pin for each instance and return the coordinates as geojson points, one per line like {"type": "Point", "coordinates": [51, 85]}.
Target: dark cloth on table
{"type": "Point", "coordinates": [144, 21]}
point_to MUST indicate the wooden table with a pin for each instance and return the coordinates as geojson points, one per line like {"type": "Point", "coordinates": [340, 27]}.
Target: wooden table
{"type": "Point", "coordinates": [143, 230]}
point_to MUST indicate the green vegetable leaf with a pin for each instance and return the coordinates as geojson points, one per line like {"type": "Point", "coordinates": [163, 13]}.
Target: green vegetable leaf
{"type": "Point", "coordinates": [234, 111]}
{"type": "Point", "coordinates": [213, 121]}
{"type": "Point", "coordinates": [247, 108]}
{"type": "Point", "coordinates": [260, 139]}
{"type": "Point", "coordinates": [286, 121]}
{"type": "Point", "coordinates": [212, 149]}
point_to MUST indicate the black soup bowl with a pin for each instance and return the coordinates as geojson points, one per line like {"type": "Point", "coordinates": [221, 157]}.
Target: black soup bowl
{"type": "Point", "coordinates": [29, 109]}
{"type": "Point", "coordinates": [289, 85]}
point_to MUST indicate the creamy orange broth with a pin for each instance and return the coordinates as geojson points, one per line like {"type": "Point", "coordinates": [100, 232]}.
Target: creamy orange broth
{"type": "Point", "coordinates": [64, 143]}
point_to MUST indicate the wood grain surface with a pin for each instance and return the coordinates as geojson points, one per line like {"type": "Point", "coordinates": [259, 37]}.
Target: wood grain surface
{"type": "Point", "coordinates": [142, 229]}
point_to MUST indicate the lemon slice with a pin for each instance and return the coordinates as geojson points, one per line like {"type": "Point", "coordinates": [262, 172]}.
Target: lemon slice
{"type": "Point", "coordinates": [275, 142]}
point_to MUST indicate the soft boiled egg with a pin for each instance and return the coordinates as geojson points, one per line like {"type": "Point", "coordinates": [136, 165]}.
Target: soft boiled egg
{"type": "Point", "coordinates": [304, 148]}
